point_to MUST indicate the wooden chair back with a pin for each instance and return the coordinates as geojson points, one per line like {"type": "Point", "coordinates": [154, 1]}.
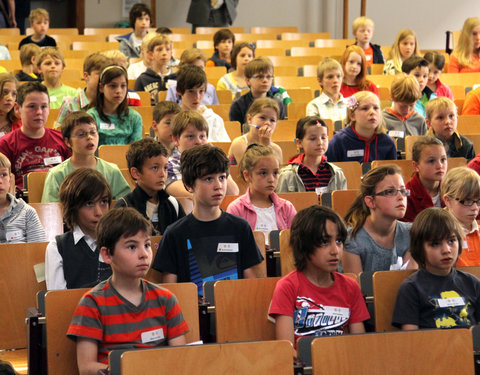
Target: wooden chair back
{"type": "Point", "coordinates": [235, 173]}
{"type": "Point", "coordinates": [289, 149]}
{"type": "Point", "coordinates": [35, 183]}
{"type": "Point", "coordinates": [296, 61]}
{"type": "Point", "coordinates": [147, 117]}
{"type": "Point", "coordinates": [233, 128]}
{"type": "Point", "coordinates": [114, 154]}
{"type": "Point", "coordinates": [95, 46]}
{"type": "Point", "coordinates": [253, 358]}
{"type": "Point", "coordinates": [460, 79]}
{"type": "Point", "coordinates": [52, 117]}
{"type": "Point", "coordinates": [288, 82]}
{"type": "Point", "coordinates": [287, 263]}
{"type": "Point", "coordinates": [50, 215]}
{"type": "Point", "coordinates": [273, 29]}
{"type": "Point", "coordinates": [222, 110]}
{"type": "Point", "coordinates": [261, 268]}
{"type": "Point", "coordinates": [296, 111]}
{"type": "Point", "coordinates": [128, 177]}
{"type": "Point", "coordinates": [19, 285]}
{"type": "Point", "coordinates": [475, 139]}
{"type": "Point", "coordinates": [353, 173]}
{"type": "Point", "coordinates": [385, 289]}
{"type": "Point", "coordinates": [342, 200]}
{"type": "Point", "coordinates": [241, 301]}
{"type": "Point", "coordinates": [381, 80]}
{"type": "Point", "coordinates": [301, 95]}
{"type": "Point", "coordinates": [59, 308]}
{"type": "Point", "coordinates": [468, 124]}
{"type": "Point", "coordinates": [395, 353]}
{"type": "Point", "coordinates": [301, 200]}
{"type": "Point", "coordinates": [213, 30]}
{"type": "Point", "coordinates": [342, 43]}
{"type": "Point", "coordinates": [305, 36]}
{"type": "Point", "coordinates": [285, 131]}
{"type": "Point", "coordinates": [224, 97]}
{"type": "Point", "coordinates": [405, 165]}
{"type": "Point", "coordinates": [323, 51]}
{"type": "Point", "coordinates": [286, 44]}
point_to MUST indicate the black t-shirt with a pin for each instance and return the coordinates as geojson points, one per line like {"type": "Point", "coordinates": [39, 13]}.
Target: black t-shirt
{"type": "Point", "coordinates": [48, 41]}
{"type": "Point", "coordinates": [199, 251]}
{"type": "Point", "coordinates": [431, 301]}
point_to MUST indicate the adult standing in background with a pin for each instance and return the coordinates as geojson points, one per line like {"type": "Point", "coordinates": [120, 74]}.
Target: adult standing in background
{"type": "Point", "coordinates": [218, 13]}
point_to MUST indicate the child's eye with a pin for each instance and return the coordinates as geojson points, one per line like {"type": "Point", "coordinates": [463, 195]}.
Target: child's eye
{"type": "Point", "coordinates": [88, 204]}
{"type": "Point", "coordinates": [223, 178]}
{"type": "Point", "coordinates": [155, 168]}
{"type": "Point", "coordinates": [104, 202]}
{"type": "Point", "coordinates": [451, 241]}
{"type": "Point", "coordinates": [131, 247]}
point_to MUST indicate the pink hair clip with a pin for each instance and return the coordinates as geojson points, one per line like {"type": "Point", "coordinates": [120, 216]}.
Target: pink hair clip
{"type": "Point", "coordinates": [351, 102]}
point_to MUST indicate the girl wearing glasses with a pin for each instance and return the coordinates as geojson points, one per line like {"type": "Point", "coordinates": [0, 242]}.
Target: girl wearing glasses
{"type": "Point", "coordinates": [460, 190]}
{"type": "Point", "coordinates": [377, 240]}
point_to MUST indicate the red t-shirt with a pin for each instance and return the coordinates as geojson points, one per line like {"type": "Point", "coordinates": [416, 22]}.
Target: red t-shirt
{"type": "Point", "coordinates": [318, 311]}
{"type": "Point", "coordinates": [28, 154]}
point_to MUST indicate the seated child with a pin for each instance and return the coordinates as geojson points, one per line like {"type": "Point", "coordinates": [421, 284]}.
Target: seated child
{"type": "Point", "coordinates": [436, 239]}
{"type": "Point", "coordinates": [223, 41]}
{"type": "Point", "coordinates": [135, 69]}
{"type": "Point", "coordinates": [377, 240]}
{"type": "Point", "coordinates": [310, 171]}
{"type": "Point", "coordinates": [404, 46]}
{"type": "Point", "coordinates": [193, 56]}
{"type": "Point", "coordinates": [315, 287]}
{"type": "Point", "coordinates": [193, 248]}
{"type": "Point", "coordinates": [28, 59]}
{"type": "Point", "coordinates": [117, 124]}
{"type": "Point", "coordinates": [442, 119]}
{"type": "Point", "coordinates": [260, 206]}
{"type": "Point", "coordinates": [8, 95]}
{"type": "Point", "coordinates": [140, 18]}
{"type": "Point", "coordinates": [460, 190]}
{"type": "Point", "coordinates": [262, 120]}
{"type": "Point", "coordinates": [40, 22]}
{"type": "Point", "coordinates": [157, 76]}
{"type": "Point", "coordinates": [354, 67]}
{"type": "Point", "coordinates": [19, 221]}
{"type": "Point", "coordinates": [73, 260]}
{"type": "Point", "coordinates": [51, 64]}
{"type": "Point", "coordinates": [364, 138]}
{"type": "Point", "coordinates": [436, 63]}
{"type": "Point", "coordinates": [430, 164]}
{"type": "Point", "coordinates": [330, 104]}
{"type": "Point", "coordinates": [363, 32]}
{"type": "Point", "coordinates": [259, 77]}
{"type": "Point", "coordinates": [80, 134]}
{"type": "Point", "coordinates": [148, 163]}
{"type": "Point", "coordinates": [235, 81]}
{"type": "Point", "coordinates": [189, 129]}
{"type": "Point", "coordinates": [93, 65]}
{"type": "Point", "coordinates": [173, 63]}
{"type": "Point", "coordinates": [401, 119]}
{"type": "Point", "coordinates": [191, 86]}
{"type": "Point", "coordinates": [163, 115]}
{"type": "Point", "coordinates": [419, 68]}
{"type": "Point", "coordinates": [471, 105]}
{"type": "Point", "coordinates": [33, 147]}
{"type": "Point", "coordinates": [124, 242]}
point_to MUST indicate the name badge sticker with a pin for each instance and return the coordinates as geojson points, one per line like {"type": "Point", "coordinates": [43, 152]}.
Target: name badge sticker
{"type": "Point", "coordinates": [451, 302]}
{"type": "Point", "coordinates": [53, 98]}
{"type": "Point", "coordinates": [321, 190]}
{"type": "Point", "coordinates": [225, 247]}
{"type": "Point", "coordinates": [14, 235]}
{"type": "Point", "coordinates": [396, 133]}
{"type": "Point", "coordinates": [355, 153]}
{"type": "Point", "coordinates": [155, 217]}
{"type": "Point", "coordinates": [52, 160]}
{"type": "Point", "coordinates": [155, 335]}
{"type": "Point", "coordinates": [105, 126]}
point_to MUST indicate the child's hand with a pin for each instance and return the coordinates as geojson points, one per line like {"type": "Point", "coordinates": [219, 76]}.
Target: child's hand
{"type": "Point", "coordinates": [264, 135]}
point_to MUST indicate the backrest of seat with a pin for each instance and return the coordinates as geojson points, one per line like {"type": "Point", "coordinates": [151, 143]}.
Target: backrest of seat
{"type": "Point", "coordinates": [447, 351]}
{"type": "Point", "coordinates": [19, 285]}
{"type": "Point", "coordinates": [252, 358]}
{"type": "Point", "coordinates": [241, 308]}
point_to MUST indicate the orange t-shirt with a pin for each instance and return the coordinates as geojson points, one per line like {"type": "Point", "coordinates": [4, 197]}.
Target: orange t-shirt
{"type": "Point", "coordinates": [470, 250]}
{"type": "Point", "coordinates": [369, 55]}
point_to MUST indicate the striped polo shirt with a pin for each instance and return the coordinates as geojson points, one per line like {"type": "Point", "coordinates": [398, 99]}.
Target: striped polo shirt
{"type": "Point", "coordinates": [105, 316]}
{"type": "Point", "coordinates": [320, 179]}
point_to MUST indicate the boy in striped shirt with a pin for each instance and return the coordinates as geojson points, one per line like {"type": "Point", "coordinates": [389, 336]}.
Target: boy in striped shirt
{"type": "Point", "coordinates": [124, 311]}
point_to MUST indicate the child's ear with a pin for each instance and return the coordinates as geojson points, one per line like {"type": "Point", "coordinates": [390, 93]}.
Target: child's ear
{"type": "Point", "coordinates": [320, 82]}
{"type": "Point", "coordinates": [154, 126]}
{"type": "Point", "coordinates": [67, 143]}
{"type": "Point", "coordinates": [246, 176]}
{"type": "Point", "coordinates": [179, 94]}
{"type": "Point", "coordinates": [106, 256]}
{"type": "Point", "coordinates": [175, 141]}
{"type": "Point", "coordinates": [85, 75]}
{"type": "Point", "coordinates": [369, 201]}
{"type": "Point", "coordinates": [415, 166]}
{"type": "Point", "coordinates": [427, 121]}
{"type": "Point", "coordinates": [135, 173]}
{"type": "Point", "coordinates": [247, 80]}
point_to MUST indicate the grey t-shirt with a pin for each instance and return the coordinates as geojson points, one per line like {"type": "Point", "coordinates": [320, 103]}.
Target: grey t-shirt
{"type": "Point", "coordinates": [373, 256]}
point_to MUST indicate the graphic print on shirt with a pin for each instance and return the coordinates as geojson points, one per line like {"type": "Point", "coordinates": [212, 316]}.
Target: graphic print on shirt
{"type": "Point", "coordinates": [312, 319]}
{"type": "Point", "coordinates": [450, 310]}
{"type": "Point", "coordinates": [34, 160]}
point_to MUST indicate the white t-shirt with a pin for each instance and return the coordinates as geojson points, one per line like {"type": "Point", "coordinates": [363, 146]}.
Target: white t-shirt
{"type": "Point", "coordinates": [266, 221]}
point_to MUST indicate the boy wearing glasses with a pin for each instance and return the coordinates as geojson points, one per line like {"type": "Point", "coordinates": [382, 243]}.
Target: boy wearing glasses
{"type": "Point", "coordinates": [33, 147]}
{"type": "Point", "coordinates": [79, 132]}
{"type": "Point", "coordinates": [259, 77]}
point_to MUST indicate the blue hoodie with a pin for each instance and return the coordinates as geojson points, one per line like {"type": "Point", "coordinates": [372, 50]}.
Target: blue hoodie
{"type": "Point", "coordinates": [347, 145]}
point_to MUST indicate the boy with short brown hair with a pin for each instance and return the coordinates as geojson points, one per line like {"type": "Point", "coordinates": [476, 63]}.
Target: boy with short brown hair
{"type": "Point", "coordinates": [28, 57]}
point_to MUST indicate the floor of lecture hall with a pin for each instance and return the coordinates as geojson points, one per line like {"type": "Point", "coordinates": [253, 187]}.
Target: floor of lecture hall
{"type": "Point", "coordinates": [18, 358]}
